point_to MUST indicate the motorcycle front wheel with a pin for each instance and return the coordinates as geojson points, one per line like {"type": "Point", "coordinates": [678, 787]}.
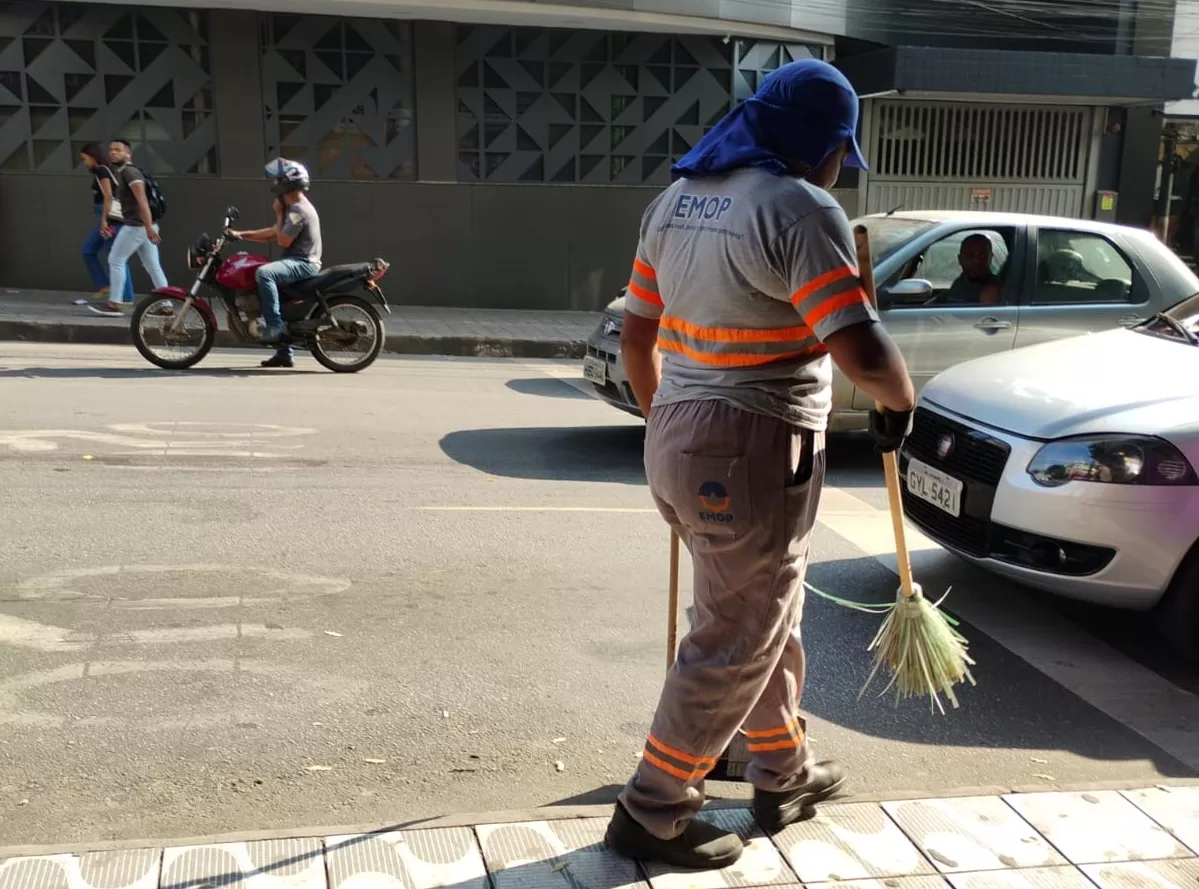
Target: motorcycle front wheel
{"type": "Point", "coordinates": [167, 339]}
{"type": "Point", "coordinates": [351, 338]}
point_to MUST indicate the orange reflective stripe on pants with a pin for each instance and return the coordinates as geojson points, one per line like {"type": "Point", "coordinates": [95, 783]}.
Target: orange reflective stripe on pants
{"type": "Point", "coordinates": [715, 473]}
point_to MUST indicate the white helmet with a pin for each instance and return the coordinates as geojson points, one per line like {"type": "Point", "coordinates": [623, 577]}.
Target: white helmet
{"type": "Point", "coordinates": [289, 176]}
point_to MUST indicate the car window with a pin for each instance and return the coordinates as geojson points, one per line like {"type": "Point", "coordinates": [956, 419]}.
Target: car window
{"type": "Point", "coordinates": [1080, 267]}
{"type": "Point", "coordinates": [977, 282]}
{"type": "Point", "coordinates": [889, 233]}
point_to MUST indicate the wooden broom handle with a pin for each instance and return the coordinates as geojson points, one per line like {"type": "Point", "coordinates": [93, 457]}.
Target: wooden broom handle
{"type": "Point", "coordinates": [672, 616]}
{"type": "Point", "coordinates": [861, 239]}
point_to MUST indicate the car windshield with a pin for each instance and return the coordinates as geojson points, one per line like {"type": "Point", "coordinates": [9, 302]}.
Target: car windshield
{"type": "Point", "coordinates": [889, 233]}
{"type": "Point", "coordinates": [1179, 322]}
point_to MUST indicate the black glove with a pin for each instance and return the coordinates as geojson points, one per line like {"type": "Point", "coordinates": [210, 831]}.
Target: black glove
{"type": "Point", "coordinates": [889, 429]}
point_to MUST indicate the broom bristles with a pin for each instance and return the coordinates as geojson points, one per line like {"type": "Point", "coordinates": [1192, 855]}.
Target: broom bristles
{"type": "Point", "coordinates": [923, 651]}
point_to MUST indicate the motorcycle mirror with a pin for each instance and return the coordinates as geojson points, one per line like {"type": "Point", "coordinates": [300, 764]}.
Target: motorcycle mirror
{"type": "Point", "coordinates": [232, 213]}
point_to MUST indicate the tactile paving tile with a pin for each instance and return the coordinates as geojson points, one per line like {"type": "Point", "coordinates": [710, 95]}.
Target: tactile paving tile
{"type": "Point", "coordinates": [887, 883]}
{"type": "Point", "coordinates": [1035, 878]}
{"type": "Point", "coordinates": [554, 855]}
{"type": "Point", "coordinates": [263, 864]}
{"type": "Point", "coordinates": [1174, 808]}
{"type": "Point", "coordinates": [972, 834]}
{"type": "Point", "coordinates": [1180, 873]}
{"type": "Point", "coordinates": [137, 869]}
{"type": "Point", "coordinates": [412, 859]}
{"type": "Point", "coordinates": [853, 841]}
{"type": "Point", "coordinates": [760, 864]}
{"type": "Point", "coordinates": [1094, 828]}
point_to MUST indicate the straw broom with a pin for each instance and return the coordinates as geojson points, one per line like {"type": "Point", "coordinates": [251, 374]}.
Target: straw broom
{"type": "Point", "coordinates": [918, 643]}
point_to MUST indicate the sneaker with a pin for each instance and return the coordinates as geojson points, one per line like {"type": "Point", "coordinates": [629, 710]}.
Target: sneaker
{"type": "Point", "coordinates": [775, 811]}
{"type": "Point", "coordinates": [702, 846]}
{"type": "Point", "coordinates": [279, 361]}
{"type": "Point", "coordinates": [110, 309]}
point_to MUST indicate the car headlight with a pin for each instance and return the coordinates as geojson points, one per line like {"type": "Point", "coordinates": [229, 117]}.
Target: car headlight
{"type": "Point", "coordinates": [612, 324]}
{"type": "Point", "coordinates": [1111, 460]}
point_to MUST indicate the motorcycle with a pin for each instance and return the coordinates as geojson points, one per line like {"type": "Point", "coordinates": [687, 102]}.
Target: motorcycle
{"type": "Point", "coordinates": [332, 314]}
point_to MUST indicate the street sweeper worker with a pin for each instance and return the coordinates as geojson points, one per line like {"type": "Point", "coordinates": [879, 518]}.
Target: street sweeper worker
{"type": "Point", "coordinates": [744, 286]}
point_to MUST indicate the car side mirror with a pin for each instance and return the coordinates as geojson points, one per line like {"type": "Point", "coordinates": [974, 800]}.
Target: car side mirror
{"type": "Point", "coordinates": [909, 291]}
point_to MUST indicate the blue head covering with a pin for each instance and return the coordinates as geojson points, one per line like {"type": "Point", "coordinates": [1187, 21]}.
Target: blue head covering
{"type": "Point", "coordinates": [802, 111]}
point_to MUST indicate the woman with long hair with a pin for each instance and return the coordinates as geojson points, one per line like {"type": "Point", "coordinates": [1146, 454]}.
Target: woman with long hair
{"type": "Point", "coordinates": [108, 220]}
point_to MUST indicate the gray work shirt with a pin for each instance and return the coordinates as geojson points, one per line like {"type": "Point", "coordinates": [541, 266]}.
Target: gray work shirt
{"type": "Point", "coordinates": [301, 223]}
{"type": "Point", "coordinates": [748, 273]}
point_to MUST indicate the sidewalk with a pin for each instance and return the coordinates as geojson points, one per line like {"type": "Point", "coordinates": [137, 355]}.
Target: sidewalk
{"type": "Point", "coordinates": [1110, 839]}
{"type": "Point", "coordinates": [49, 317]}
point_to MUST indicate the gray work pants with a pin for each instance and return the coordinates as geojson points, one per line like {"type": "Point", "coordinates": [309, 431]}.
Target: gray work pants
{"type": "Point", "coordinates": [741, 490]}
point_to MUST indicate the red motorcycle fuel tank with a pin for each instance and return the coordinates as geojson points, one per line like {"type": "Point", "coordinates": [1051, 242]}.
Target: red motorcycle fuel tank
{"type": "Point", "coordinates": [237, 272]}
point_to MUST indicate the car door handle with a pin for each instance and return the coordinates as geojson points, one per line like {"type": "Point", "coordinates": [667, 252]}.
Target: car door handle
{"type": "Point", "coordinates": [993, 324]}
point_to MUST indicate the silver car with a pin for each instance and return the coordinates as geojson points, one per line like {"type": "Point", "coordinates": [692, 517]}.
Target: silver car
{"type": "Point", "coordinates": [1054, 278]}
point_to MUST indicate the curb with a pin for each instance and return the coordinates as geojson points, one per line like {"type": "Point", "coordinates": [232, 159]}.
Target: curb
{"type": "Point", "coordinates": [553, 813]}
{"type": "Point", "coordinates": [398, 344]}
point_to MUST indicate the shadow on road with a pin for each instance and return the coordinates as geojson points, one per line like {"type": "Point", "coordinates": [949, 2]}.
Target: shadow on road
{"type": "Point", "coordinates": [610, 453]}
{"type": "Point", "coordinates": [1013, 707]}
{"type": "Point", "coordinates": [575, 454]}
{"type": "Point", "coordinates": [148, 372]}
{"type": "Point", "coordinates": [601, 796]}
{"type": "Point", "coordinates": [546, 387]}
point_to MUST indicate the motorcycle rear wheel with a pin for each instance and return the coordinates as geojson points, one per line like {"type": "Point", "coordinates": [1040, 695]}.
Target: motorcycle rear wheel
{"type": "Point", "coordinates": [354, 309]}
{"type": "Point", "coordinates": [199, 343]}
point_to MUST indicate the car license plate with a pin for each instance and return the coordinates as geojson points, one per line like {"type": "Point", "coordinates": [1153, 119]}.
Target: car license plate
{"type": "Point", "coordinates": [595, 370]}
{"type": "Point", "coordinates": [935, 487]}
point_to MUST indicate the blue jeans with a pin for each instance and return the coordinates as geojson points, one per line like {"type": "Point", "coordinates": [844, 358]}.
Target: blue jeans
{"type": "Point", "coordinates": [288, 270]}
{"type": "Point", "coordinates": [93, 246]}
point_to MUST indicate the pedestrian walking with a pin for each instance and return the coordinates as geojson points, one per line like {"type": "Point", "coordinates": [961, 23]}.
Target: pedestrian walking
{"type": "Point", "coordinates": [744, 289]}
{"type": "Point", "coordinates": [138, 234]}
{"type": "Point", "coordinates": [107, 214]}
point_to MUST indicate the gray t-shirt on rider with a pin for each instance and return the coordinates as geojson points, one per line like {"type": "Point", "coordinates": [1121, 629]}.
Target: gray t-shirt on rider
{"type": "Point", "coordinates": [301, 222]}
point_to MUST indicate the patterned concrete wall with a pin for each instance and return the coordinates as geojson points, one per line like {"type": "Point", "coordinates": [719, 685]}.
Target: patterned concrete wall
{"type": "Point", "coordinates": [72, 73]}
{"type": "Point", "coordinates": [338, 94]}
{"type": "Point", "coordinates": [538, 105]}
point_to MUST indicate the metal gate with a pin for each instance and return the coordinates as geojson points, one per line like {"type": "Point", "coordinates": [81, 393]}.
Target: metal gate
{"type": "Point", "coordinates": [953, 156]}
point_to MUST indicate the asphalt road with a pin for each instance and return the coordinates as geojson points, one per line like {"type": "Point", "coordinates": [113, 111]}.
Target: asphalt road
{"type": "Point", "coordinates": [233, 599]}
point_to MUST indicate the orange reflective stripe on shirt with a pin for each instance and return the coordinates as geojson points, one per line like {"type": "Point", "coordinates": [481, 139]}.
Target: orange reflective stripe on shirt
{"type": "Point", "coordinates": [823, 281]}
{"type": "Point", "coordinates": [644, 270]}
{"type": "Point", "coordinates": [854, 297]}
{"type": "Point", "coordinates": [735, 359]}
{"type": "Point", "coordinates": [736, 334]}
{"type": "Point", "coordinates": [828, 294]}
{"type": "Point", "coordinates": [731, 347]}
{"type": "Point", "coordinates": [641, 293]}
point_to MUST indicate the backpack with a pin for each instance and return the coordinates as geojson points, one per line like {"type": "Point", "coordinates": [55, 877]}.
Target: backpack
{"type": "Point", "coordinates": [154, 197]}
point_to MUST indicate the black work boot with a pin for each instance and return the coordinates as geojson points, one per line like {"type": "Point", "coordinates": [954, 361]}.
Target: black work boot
{"type": "Point", "coordinates": [279, 360]}
{"type": "Point", "coordinates": [775, 811]}
{"type": "Point", "coordinates": [702, 846]}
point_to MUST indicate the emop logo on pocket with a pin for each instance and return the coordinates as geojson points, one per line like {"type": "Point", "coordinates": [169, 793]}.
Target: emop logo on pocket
{"type": "Point", "coordinates": [714, 501]}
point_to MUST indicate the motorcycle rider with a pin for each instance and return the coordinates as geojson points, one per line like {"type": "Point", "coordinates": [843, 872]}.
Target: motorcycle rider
{"type": "Point", "coordinates": [297, 230]}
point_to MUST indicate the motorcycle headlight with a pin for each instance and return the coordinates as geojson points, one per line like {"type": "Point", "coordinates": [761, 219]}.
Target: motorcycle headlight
{"type": "Point", "coordinates": [1111, 460]}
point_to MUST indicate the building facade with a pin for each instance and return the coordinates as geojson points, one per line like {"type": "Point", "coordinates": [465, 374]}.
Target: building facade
{"type": "Point", "coordinates": [499, 154]}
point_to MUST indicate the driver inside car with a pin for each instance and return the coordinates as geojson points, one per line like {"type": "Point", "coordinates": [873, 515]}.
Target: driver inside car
{"type": "Point", "coordinates": [297, 230]}
{"type": "Point", "coordinates": [976, 285]}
